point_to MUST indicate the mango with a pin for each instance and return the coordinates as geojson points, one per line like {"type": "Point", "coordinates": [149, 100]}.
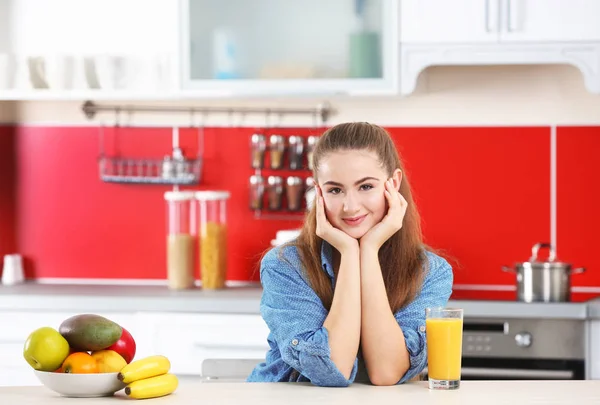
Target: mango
{"type": "Point", "coordinates": [90, 332]}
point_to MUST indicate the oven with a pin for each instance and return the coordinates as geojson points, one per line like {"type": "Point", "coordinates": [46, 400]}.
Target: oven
{"type": "Point", "coordinates": [523, 349]}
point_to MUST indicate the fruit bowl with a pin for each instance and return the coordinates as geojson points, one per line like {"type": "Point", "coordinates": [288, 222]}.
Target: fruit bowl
{"type": "Point", "coordinates": [81, 385]}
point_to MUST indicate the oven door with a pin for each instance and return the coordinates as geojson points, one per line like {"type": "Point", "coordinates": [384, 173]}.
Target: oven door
{"type": "Point", "coordinates": [521, 369]}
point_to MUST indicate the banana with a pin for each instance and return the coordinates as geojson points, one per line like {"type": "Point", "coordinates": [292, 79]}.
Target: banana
{"type": "Point", "coordinates": [152, 387]}
{"type": "Point", "coordinates": [144, 368]}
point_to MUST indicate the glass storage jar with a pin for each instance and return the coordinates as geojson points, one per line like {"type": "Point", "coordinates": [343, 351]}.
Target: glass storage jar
{"type": "Point", "coordinates": [181, 239]}
{"type": "Point", "coordinates": [213, 238]}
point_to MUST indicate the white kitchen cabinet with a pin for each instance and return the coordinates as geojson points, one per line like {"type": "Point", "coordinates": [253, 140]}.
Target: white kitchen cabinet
{"type": "Point", "coordinates": [189, 339]}
{"type": "Point", "coordinates": [499, 32]}
{"type": "Point", "coordinates": [498, 21]}
{"type": "Point", "coordinates": [289, 47]}
{"type": "Point", "coordinates": [550, 20]}
{"type": "Point", "coordinates": [448, 21]}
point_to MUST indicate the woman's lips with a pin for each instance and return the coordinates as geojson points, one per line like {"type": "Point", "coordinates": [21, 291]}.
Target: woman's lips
{"type": "Point", "coordinates": [354, 221]}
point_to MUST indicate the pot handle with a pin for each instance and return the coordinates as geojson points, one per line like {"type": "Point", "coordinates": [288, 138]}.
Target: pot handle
{"type": "Point", "coordinates": [507, 269]}
{"type": "Point", "coordinates": [578, 270]}
{"type": "Point", "coordinates": [538, 246]}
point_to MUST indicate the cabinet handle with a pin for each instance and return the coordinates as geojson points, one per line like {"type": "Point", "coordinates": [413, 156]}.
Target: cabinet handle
{"type": "Point", "coordinates": [511, 16]}
{"type": "Point", "coordinates": [491, 15]}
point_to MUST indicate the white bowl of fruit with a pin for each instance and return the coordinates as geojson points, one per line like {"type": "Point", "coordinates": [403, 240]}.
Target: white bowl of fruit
{"type": "Point", "coordinates": [92, 356]}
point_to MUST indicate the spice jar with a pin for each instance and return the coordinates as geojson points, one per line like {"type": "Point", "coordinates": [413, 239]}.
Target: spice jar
{"type": "Point", "coordinates": [275, 192]}
{"type": "Point", "coordinates": [257, 189]}
{"type": "Point", "coordinates": [294, 193]}
{"type": "Point", "coordinates": [181, 239]}
{"type": "Point", "coordinates": [213, 238]}
{"type": "Point", "coordinates": [276, 151]}
{"type": "Point", "coordinates": [257, 150]}
{"type": "Point", "coordinates": [295, 152]}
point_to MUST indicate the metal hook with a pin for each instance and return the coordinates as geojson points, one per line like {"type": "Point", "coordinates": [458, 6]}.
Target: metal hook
{"type": "Point", "coordinates": [117, 116]}
{"type": "Point", "coordinates": [192, 115]}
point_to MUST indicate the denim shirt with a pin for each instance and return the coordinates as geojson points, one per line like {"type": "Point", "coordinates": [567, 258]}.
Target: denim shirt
{"type": "Point", "coordinates": [299, 344]}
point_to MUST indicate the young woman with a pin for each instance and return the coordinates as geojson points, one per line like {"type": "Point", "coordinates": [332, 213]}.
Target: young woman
{"type": "Point", "coordinates": [345, 302]}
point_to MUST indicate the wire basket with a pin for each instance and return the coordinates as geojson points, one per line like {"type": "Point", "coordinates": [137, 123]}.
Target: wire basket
{"type": "Point", "coordinates": [150, 171]}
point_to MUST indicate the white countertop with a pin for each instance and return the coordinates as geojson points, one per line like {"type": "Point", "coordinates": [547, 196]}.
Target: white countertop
{"type": "Point", "coordinates": [470, 392]}
{"type": "Point", "coordinates": [239, 300]}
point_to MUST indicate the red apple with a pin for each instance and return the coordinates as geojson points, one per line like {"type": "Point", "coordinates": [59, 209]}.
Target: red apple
{"type": "Point", "coordinates": [125, 346]}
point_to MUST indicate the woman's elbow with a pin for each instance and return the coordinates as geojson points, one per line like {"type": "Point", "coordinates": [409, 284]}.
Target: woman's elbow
{"type": "Point", "coordinates": [386, 377]}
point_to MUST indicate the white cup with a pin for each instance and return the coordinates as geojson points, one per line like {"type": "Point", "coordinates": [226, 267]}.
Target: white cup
{"type": "Point", "coordinates": [12, 271]}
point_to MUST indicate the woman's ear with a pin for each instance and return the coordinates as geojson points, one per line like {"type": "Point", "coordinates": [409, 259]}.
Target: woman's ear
{"type": "Point", "coordinates": [397, 178]}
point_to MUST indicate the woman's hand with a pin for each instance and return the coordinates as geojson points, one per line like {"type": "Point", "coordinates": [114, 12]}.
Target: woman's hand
{"type": "Point", "coordinates": [391, 223]}
{"type": "Point", "coordinates": [335, 237]}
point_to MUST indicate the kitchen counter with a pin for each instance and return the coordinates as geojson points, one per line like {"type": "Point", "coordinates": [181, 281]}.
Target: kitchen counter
{"type": "Point", "coordinates": [238, 300]}
{"type": "Point", "coordinates": [594, 308]}
{"type": "Point", "coordinates": [471, 392]}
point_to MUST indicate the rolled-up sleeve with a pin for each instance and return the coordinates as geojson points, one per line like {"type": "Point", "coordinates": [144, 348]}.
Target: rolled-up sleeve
{"type": "Point", "coordinates": [295, 315]}
{"type": "Point", "coordinates": [436, 291]}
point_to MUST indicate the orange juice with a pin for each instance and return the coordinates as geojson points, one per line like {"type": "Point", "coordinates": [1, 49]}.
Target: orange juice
{"type": "Point", "coordinates": [444, 348]}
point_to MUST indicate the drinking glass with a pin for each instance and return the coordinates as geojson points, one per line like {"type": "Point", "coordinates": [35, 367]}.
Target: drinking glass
{"type": "Point", "coordinates": [444, 327]}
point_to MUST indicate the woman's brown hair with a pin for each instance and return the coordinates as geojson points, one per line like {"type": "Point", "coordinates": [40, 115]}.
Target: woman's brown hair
{"type": "Point", "coordinates": [401, 255]}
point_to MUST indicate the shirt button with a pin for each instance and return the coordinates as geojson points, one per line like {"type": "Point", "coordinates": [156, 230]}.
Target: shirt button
{"type": "Point", "coordinates": [422, 328]}
{"type": "Point", "coordinates": [295, 342]}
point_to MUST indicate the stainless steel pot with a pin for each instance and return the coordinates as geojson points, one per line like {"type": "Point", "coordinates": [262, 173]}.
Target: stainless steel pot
{"type": "Point", "coordinates": [543, 281]}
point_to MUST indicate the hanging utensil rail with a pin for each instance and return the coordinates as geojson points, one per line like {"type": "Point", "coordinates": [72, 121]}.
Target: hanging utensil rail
{"type": "Point", "coordinates": [323, 110]}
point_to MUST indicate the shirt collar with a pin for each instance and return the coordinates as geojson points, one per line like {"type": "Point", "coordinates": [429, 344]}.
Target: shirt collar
{"type": "Point", "coordinates": [327, 258]}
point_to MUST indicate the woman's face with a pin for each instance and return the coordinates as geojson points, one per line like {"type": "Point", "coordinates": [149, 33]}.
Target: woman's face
{"type": "Point", "coordinates": [353, 184]}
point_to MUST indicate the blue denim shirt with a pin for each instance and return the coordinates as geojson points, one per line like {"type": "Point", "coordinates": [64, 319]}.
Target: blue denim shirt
{"type": "Point", "coordinates": [299, 344]}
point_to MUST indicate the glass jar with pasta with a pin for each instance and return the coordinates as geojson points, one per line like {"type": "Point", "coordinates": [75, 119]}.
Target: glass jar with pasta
{"type": "Point", "coordinates": [181, 239]}
{"type": "Point", "coordinates": [213, 238]}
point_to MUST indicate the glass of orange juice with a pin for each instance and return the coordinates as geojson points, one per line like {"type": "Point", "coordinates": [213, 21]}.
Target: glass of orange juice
{"type": "Point", "coordinates": [444, 327]}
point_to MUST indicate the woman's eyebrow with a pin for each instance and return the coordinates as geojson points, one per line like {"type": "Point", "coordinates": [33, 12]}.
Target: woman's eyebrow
{"type": "Point", "coordinates": [334, 183]}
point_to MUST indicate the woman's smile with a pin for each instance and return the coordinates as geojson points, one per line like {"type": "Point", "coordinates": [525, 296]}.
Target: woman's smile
{"type": "Point", "coordinates": [354, 221]}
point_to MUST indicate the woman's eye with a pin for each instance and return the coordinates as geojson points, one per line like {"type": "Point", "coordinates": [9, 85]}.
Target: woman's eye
{"type": "Point", "coordinates": [334, 190]}
{"type": "Point", "coordinates": [366, 187]}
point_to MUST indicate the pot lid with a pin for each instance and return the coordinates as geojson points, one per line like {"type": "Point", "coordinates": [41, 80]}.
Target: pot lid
{"type": "Point", "coordinates": [551, 262]}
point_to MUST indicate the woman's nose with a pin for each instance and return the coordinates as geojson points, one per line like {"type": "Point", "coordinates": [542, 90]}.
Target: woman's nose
{"type": "Point", "coordinates": [350, 204]}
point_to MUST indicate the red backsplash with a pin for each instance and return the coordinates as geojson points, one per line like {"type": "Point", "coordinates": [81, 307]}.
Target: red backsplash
{"type": "Point", "coordinates": [483, 193]}
{"type": "Point", "coordinates": [8, 213]}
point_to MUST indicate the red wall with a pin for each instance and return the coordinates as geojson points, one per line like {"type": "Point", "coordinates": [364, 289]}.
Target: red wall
{"type": "Point", "coordinates": [578, 196]}
{"type": "Point", "coordinates": [484, 196]}
{"type": "Point", "coordinates": [8, 214]}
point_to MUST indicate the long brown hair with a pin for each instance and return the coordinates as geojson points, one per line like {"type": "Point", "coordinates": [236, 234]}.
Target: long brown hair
{"type": "Point", "coordinates": [400, 256]}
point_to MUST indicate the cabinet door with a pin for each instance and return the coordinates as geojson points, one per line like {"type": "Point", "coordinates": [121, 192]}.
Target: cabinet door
{"type": "Point", "coordinates": [449, 21]}
{"type": "Point", "coordinates": [551, 20]}
{"type": "Point", "coordinates": [260, 47]}
{"type": "Point", "coordinates": [189, 339]}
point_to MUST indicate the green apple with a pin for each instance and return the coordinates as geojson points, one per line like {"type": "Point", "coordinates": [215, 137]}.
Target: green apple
{"type": "Point", "coordinates": [45, 349]}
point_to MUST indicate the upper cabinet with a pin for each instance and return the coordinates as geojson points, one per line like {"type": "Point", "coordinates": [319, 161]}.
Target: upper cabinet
{"type": "Point", "coordinates": [282, 47]}
{"type": "Point", "coordinates": [448, 21]}
{"type": "Point", "coordinates": [490, 21]}
{"type": "Point", "coordinates": [479, 32]}
{"type": "Point", "coordinates": [548, 20]}
{"type": "Point", "coordinates": [181, 49]}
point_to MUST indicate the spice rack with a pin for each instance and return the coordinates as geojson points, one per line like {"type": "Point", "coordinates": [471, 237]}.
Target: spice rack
{"type": "Point", "coordinates": [287, 187]}
{"type": "Point", "coordinates": [179, 170]}
{"type": "Point", "coordinates": [148, 171]}
{"type": "Point", "coordinates": [173, 169]}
